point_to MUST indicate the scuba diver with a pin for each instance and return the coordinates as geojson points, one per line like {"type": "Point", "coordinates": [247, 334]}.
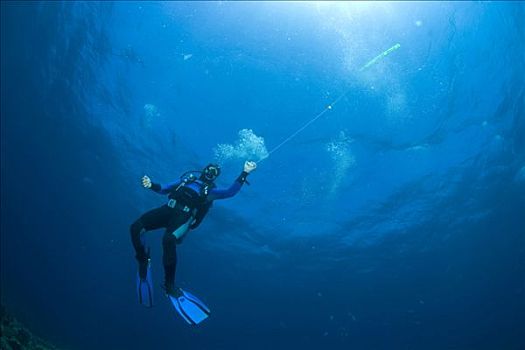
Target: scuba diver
{"type": "Point", "coordinates": [190, 198]}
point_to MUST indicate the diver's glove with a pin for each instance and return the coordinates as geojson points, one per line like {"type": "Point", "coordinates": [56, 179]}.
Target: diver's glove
{"type": "Point", "coordinates": [146, 182]}
{"type": "Point", "coordinates": [249, 166]}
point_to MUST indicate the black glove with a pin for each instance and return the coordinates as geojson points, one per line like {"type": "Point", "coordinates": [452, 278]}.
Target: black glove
{"type": "Point", "coordinates": [242, 177]}
{"type": "Point", "coordinates": [155, 187]}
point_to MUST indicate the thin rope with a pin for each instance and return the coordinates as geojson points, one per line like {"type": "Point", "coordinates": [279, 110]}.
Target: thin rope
{"type": "Point", "coordinates": [285, 141]}
{"type": "Point", "coordinates": [331, 105]}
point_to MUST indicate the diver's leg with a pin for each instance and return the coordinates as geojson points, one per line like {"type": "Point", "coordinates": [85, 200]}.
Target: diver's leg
{"type": "Point", "coordinates": [169, 260]}
{"type": "Point", "coordinates": [151, 220]}
{"type": "Point", "coordinates": [169, 247]}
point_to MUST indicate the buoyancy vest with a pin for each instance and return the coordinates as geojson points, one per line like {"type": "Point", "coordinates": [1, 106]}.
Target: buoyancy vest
{"type": "Point", "coordinates": [191, 192]}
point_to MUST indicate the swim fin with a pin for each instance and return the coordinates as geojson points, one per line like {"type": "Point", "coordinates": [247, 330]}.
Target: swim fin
{"type": "Point", "coordinates": [145, 285]}
{"type": "Point", "coordinates": [189, 306]}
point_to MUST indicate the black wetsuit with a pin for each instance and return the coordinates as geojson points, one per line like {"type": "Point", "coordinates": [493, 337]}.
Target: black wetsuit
{"type": "Point", "coordinates": [194, 199]}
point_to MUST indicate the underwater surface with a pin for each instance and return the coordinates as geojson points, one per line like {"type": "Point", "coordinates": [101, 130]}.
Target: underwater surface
{"type": "Point", "coordinates": [387, 210]}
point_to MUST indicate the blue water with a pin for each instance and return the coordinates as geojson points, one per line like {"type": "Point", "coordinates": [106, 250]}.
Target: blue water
{"type": "Point", "coordinates": [394, 221]}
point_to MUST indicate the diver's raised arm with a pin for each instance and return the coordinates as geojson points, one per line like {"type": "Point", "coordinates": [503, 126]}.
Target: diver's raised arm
{"type": "Point", "coordinates": [217, 193]}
